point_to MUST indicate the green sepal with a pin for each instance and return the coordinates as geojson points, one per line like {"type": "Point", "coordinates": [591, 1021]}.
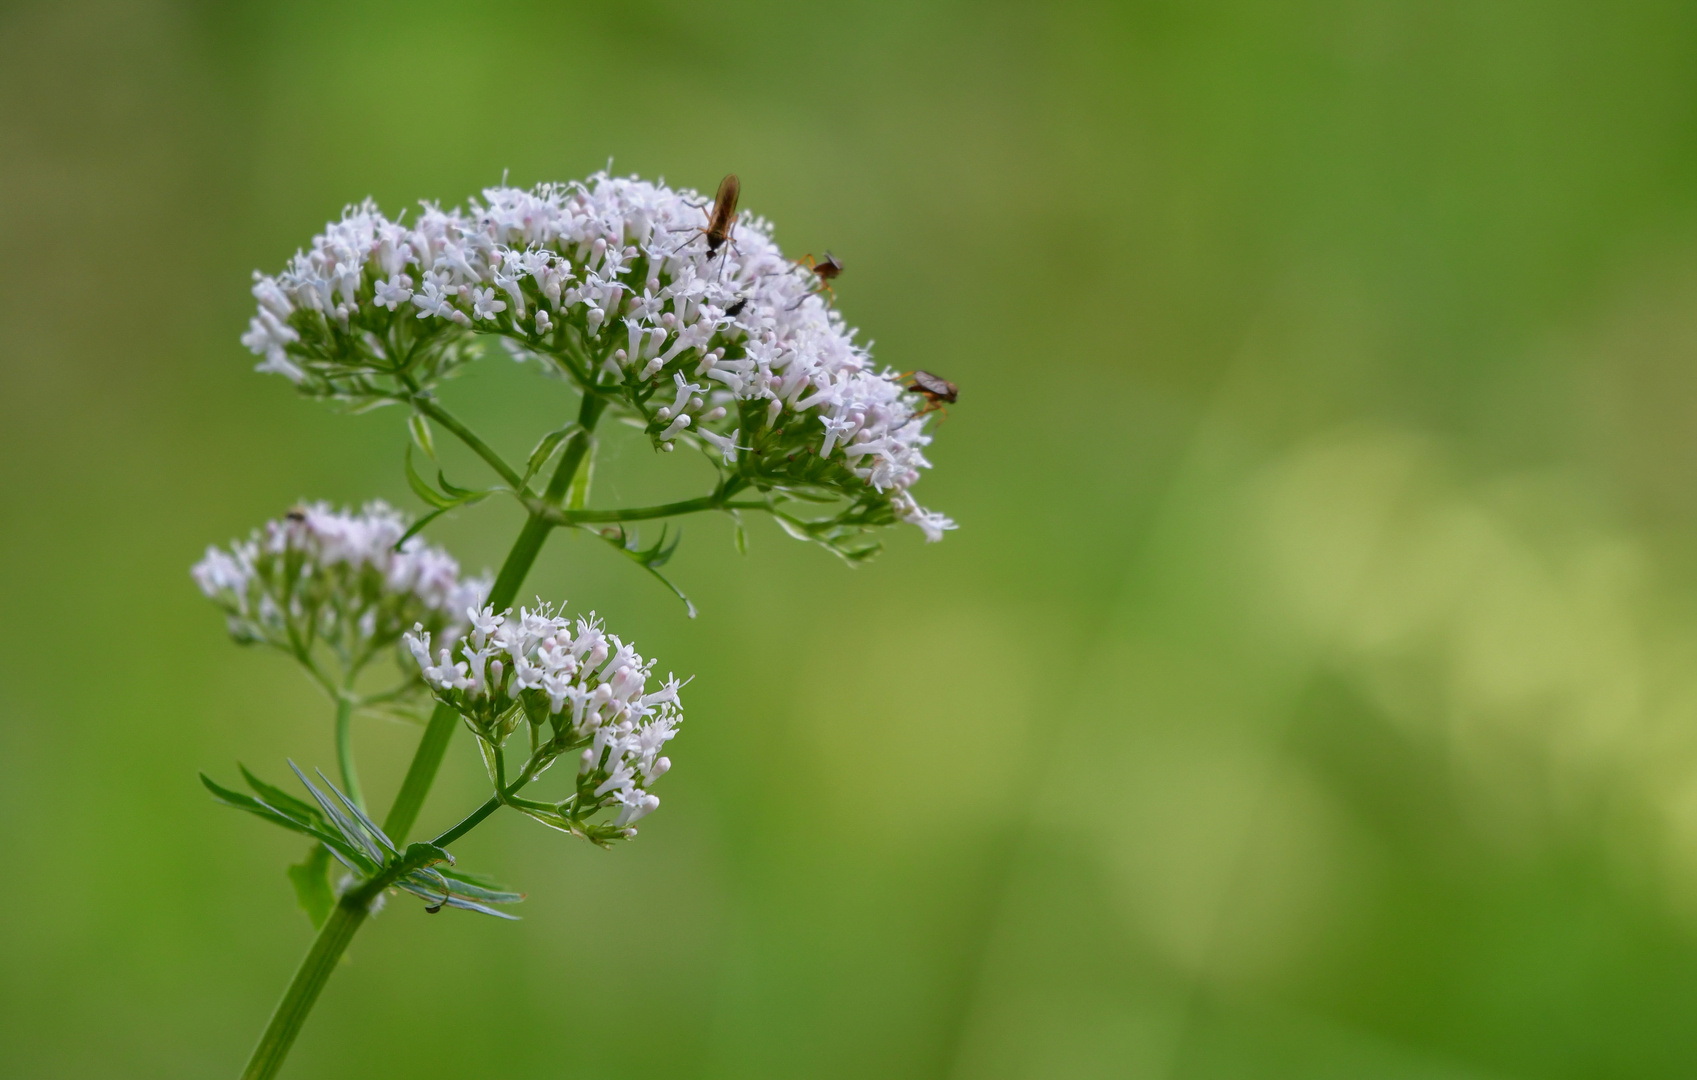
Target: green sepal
{"type": "Point", "coordinates": [311, 879]}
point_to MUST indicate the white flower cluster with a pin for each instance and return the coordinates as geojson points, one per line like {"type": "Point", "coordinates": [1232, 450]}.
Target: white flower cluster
{"type": "Point", "coordinates": [614, 281]}
{"type": "Point", "coordinates": [320, 574]}
{"type": "Point", "coordinates": [587, 684]}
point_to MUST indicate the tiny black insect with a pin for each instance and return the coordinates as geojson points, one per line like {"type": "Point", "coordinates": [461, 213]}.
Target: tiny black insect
{"type": "Point", "coordinates": [736, 309]}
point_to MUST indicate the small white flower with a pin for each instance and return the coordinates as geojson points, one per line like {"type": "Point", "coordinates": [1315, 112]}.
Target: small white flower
{"type": "Point", "coordinates": [725, 444]}
{"type": "Point", "coordinates": [432, 300]}
{"type": "Point", "coordinates": [484, 623]}
{"type": "Point", "coordinates": [484, 305]}
{"type": "Point", "coordinates": [634, 805]}
{"type": "Point", "coordinates": [393, 293]}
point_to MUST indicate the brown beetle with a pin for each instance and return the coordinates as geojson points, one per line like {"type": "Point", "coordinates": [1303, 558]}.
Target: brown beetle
{"type": "Point", "coordinates": [936, 391]}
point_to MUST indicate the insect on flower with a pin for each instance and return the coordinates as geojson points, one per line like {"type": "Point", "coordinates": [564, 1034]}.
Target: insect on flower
{"type": "Point", "coordinates": [936, 391]}
{"type": "Point", "coordinates": [724, 216]}
{"type": "Point", "coordinates": [827, 269]}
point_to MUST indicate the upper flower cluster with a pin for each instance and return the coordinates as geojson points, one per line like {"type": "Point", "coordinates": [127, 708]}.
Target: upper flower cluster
{"type": "Point", "coordinates": [319, 575]}
{"type": "Point", "coordinates": [613, 283]}
{"type": "Point", "coordinates": [586, 685]}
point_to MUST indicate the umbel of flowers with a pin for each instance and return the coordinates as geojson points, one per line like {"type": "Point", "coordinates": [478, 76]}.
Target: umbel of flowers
{"type": "Point", "coordinates": [612, 284]}
{"type": "Point", "coordinates": [347, 582]}
{"type": "Point", "coordinates": [575, 688]}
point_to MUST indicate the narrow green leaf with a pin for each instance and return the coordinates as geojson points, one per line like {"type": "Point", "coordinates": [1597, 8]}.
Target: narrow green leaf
{"type": "Point", "coordinates": [660, 554]}
{"type": "Point", "coordinates": [280, 799]}
{"type": "Point", "coordinates": [739, 535]}
{"type": "Point", "coordinates": [259, 809]}
{"type": "Point", "coordinates": [421, 888]}
{"type": "Point", "coordinates": [458, 493]}
{"type": "Point", "coordinates": [419, 425]}
{"type": "Point", "coordinates": [311, 878]}
{"type": "Point", "coordinates": [577, 496]}
{"type": "Point", "coordinates": [793, 526]}
{"type": "Point", "coordinates": [352, 837]}
{"type": "Point", "coordinates": [352, 807]}
{"type": "Point", "coordinates": [418, 526]}
{"type": "Point", "coordinates": [808, 493]}
{"type": "Point", "coordinates": [650, 559]}
{"type": "Point", "coordinates": [545, 450]}
{"type": "Point", "coordinates": [480, 886]}
{"type": "Point", "coordinates": [422, 489]}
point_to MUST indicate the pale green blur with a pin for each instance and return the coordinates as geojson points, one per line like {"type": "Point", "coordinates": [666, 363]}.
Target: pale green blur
{"type": "Point", "coordinates": [1310, 690]}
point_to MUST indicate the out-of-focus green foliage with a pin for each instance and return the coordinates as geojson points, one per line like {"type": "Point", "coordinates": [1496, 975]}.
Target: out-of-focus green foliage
{"type": "Point", "coordinates": [1311, 689]}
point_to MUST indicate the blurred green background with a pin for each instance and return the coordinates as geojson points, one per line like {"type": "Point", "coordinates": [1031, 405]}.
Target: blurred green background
{"type": "Point", "coordinates": [1310, 691]}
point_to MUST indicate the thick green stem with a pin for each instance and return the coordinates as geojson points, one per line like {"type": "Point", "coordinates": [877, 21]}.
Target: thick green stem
{"type": "Point", "coordinates": [345, 747]}
{"type": "Point", "coordinates": [333, 937]}
{"type": "Point", "coordinates": [422, 772]}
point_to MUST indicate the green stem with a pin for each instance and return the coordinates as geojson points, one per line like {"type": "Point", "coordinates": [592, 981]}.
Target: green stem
{"type": "Point", "coordinates": [719, 500]}
{"type": "Point", "coordinates": [470, 821]}
{"type": "Point", "coordinates": [483, 450]}
{"type": "Point", "coordinates": [555, 516]}
{"type": "Point", "coordinates": [345, 747]}
{"type": "Point", "coordinates": [432, 746]}
{"type": "Point", "coordinates": [490, 805]}
{"type": "Point", "coordinates": [333, 937]}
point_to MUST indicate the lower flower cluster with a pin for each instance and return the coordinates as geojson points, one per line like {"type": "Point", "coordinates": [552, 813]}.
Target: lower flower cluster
{"type": "Point", "coordinates": [344, 580]}
{"type": "Point", "coordinates": [578, 688]}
